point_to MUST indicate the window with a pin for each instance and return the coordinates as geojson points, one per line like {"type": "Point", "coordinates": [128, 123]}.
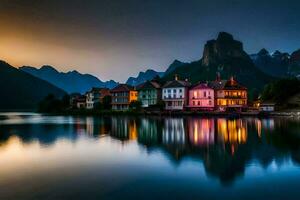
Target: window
{"type": "Point", "coordinates": [169, 91]}
{"type": "Point", "coordinates": [193, 103]}
{"type": "Point", "coordinates": [209, 103]}
{"type": "Point", "coordinates": [198, 103]}
{"type": "Point", "coordinates": [174, 90]}
{"type": "Point", "coordinates": [195, 94]}
{"type": "Point", "coordinates": [204, 93]}
{"type": "Point", "coordinates": [180, 90]}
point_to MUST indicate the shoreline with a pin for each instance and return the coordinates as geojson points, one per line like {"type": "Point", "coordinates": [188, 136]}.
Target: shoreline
{"type": "Point", "coordinates": [177, 113]}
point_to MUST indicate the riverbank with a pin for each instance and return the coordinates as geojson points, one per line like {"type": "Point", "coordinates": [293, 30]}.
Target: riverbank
{"type": "Point", "coordinates": [176, 113]}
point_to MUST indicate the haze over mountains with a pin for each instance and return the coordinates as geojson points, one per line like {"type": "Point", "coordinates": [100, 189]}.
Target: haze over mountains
{"type": "Point", "coordinates": [71, 82]}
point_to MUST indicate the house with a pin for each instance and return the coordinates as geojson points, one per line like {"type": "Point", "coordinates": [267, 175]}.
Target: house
{"type": "Point", "coordinates": [201, 97]}
{"type": "Point", "coordinates": [122, 95]}
{"type": "Point", "coordinates": [175, 94]}
{"type": "Point", "coordinates": [81, 102]}
{"type": "Point", "coordinates": [149, 93]}
{"type": "Point", "coordinates": [95, 96]}
{"type": "Point", "coordinates": [267, 106]}
{"type": "Point", "coordinates": [229, 95]}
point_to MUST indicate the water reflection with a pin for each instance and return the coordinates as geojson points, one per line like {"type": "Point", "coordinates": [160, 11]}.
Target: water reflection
{"type": "Point", "coordinates": [225, 147]}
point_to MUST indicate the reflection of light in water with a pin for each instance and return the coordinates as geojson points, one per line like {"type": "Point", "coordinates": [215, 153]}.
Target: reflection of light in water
{"type": "Point", "coordinates": [132, 130]}
{"type": "Point", "coordinates": [268, 124]}
{"type": "Point", "coordinates": [258, 127]}
{"type": "Point", "coordinates": [232, 131]}
{"type": "Point", "coordinates": [201, 131]}
{"type": "Point", "coordinates": [90, 125]}
{"type": "Point", "coordinates": [173, 131]}
{"type": "Point", "coordinates": [124, 129]}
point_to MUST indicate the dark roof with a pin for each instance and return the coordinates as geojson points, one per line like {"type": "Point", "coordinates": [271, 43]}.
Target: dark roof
{"type": "Point", "coordinates": [200, 86]}
{"type": "Point", "coordinates": [233, 85]}
{"type": "Point", "coordinates": [122, 88]}
{"type": "Point", "coordinates": [230, 84]}
{"type": "Point", "coordinates": [149, 85]}
{"type": "Point", "coordinates": [177, 83]}
{"type": "Point", "coordinates": [217, 85]}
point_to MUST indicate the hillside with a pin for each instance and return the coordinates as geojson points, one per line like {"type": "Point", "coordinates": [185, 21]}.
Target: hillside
{"type": "Point", "coordinates": [71, 82]}
{"type": "Point", "coordinates": [227, 57]}
{"type": "Point", "coordinates": [20, 90]}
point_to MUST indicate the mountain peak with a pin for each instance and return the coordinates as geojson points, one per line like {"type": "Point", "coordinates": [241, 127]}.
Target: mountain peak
{"type": "Point", "coordinates": [224, 36]}
{"type": "Point", "coordinates": [48, 68]}
{"type": "Point", "coordinates": [263, 52]}
{"type": "Point", "coordinates": [143, 77]}
{"type": "Point", "coordinates": [221, 49]}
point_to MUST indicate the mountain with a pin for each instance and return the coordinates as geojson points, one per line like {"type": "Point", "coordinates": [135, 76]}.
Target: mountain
{"type": "Point", "coordinates": [226, 56]}
{"type": "Point", "coordinates": [20, 90]}
{"type": "Point", "coordinates": [174, 65]}
{"type": "Point", "coordinates": [276, 64]}
{"type": "Point", "coordinates": [294, 67]}
{"type": "Point", "coordinates": [71, 82]}
{"type": "Point", "coordinates": [143, 77]}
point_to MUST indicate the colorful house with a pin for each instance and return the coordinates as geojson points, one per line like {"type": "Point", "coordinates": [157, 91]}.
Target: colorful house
{"type": "Point", "coordinates": [201, 97]}
{"type": "Point", "coordinates": [149, 93]}
{"type": "Point", "coordinates": [229, 94]}
{"type": "Point", "coordinates": [95, 96]}
{"type": "Point", "coordinates": [122, 95]}
{"type": "Point", "coordinates": [175, 94]}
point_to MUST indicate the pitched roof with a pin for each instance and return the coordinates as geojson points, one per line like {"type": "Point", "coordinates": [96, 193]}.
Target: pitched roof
{"type": "Point", "coordinates": [232, 84]}
{"type": "Point", "coordinates": [200, 86]}
{"type": "Point", "coordinates": [149, 85]}
{"type": "Point", "coordinates": [122, 88]}
{"type": "Point", "coordinates": [177, 83]}
{"type": "Point", "coordinates": [217, 85]}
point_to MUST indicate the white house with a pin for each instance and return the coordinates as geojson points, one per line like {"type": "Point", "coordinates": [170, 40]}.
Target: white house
{"type": "Point", "coordinates": [175, 94]}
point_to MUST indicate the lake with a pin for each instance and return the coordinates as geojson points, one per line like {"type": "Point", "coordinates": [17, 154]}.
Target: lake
{"type": "Point", "coordinates": [119, 157]}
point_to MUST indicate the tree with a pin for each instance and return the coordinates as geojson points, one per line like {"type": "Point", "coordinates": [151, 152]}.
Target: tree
{"type": "Point", "coordinates": [106, 103]}
{"type": "Point", "coordinates": [279, 91]}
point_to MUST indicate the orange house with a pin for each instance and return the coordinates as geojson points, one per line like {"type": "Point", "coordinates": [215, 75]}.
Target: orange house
{"type": "Point", "coordinates": [122, 95]}
{"type": "Point", "coordinates": [229, 95]}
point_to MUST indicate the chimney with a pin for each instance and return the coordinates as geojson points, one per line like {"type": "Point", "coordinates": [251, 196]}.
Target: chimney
{"type": "Point", "coordinates": [218, 77]}
{"type": "Point", "coordinates": [176, 77]}
{"type": "Point", "coordinates": [231, 80]}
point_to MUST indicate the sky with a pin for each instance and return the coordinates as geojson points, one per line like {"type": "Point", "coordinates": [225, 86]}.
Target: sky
{"type": "Point", "coordinates": [115, 39]}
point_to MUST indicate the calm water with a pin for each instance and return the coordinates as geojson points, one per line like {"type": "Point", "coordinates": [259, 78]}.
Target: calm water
{"type": "Point", "coordinates": [54, 157]}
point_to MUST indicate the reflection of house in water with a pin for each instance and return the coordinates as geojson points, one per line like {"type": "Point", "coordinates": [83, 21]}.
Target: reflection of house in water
{"type": "Point", "coordinates": [123, 128]}
{"type": "Point", "coordinates": [149, 132]}
{"type": "Point", "coordinates": [97, 126]}
{"type": "Point", "coordinates": [201, 131]}
{"type": "Point", "coordinates": [232, 132]}
{"type": "Point", "coordinates": [173, 131]}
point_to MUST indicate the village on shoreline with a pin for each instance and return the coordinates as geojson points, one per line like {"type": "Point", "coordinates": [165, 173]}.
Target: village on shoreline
{"type": "Point", "coordinates": [176, 97]}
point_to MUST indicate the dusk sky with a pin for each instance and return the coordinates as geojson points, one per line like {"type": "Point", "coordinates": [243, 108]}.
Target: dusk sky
{"type": "Point", "coordinates": [116, 39]}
